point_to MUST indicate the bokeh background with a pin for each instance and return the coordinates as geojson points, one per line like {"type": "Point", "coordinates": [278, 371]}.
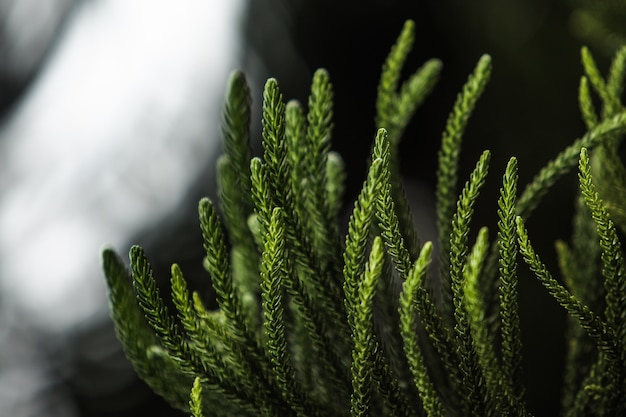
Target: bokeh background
{"type": "Point", "coordinates": [109, 132]}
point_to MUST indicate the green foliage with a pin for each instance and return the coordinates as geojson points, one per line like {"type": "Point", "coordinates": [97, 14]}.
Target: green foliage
{"type": "Point", "coordinates": [312, 324]}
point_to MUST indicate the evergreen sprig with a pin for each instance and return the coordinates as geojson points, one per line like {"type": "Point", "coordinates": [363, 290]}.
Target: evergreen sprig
{"type": "Point", "coordinates": [449, 154]}
{"type": "Point", "coordinates": [430, 398]}
{"type": "Point", "coordinates": [312, 324]}
{"type": "Point", "coordinates": [508, 294]}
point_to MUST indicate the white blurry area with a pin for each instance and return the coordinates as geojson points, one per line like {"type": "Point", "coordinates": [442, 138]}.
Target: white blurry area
{"type": "Point", "coordinates": [121, 118]}
{"type": "Point", "coordinates": [109, 137]}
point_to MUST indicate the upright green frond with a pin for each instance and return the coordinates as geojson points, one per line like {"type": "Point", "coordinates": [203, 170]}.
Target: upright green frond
{"type": "Point", "coordinates": [273, 271]}
{"type": "Point", "coordinates": [173, 340]}
{"type": "Point", "coordinates": [452, 286]}
{"type": "Point", "coordinates": [184, 307]}
{"type": "Point", "coordinates": [362, 333]}
{"type": "Point", "coordinates": [397, 248]}
{"type": "Point", "coordinates": [447, 171]}
{"type": "Point", "coordinates": [390, 227]}
{"type": "Point", "coordinates": [227, 294]}
{"type": "Point", "coordinates": [137, 338]}
{"type": "Point", "coordinates": [382, 150]}
{"type": "Point", "coordinates": [499, 391]}
{"type": "Point", "coordinates": [594, 76]}
{"type": "Point", "coordinates": [275, 143]}
{"type": "Point", "coordinates": [617, 74]}
{"type": "Point", "coordinates": [273, 274]}
{"type": "Point", "coordinates": [585, 103]}
{"type": "Point", "coordinates": [412, 94]}
{"type": "Point", "coordinates": [319, 122]}
{"type": "Point", "coordinates": [245, 255]}
{"type": "Point", "coordinates": [335, 187]}
{"type": "Point", "coordinates": [264, 200]}
{"type": "Point", "coordinates": [219, 265]}
{"type": "Point", "coordinates": [154, 308]}
{"type": "Point", "coordinates": [208, 338]}
{"type": "Point", "coordinates": [613, 269]}
{"type": "Point", "coordinates": [610, 100]}
{"type": "Point", "coordinates": [195, 402]}
{"type": "Point", "coordinates": [394, 206]}
{"type": "Point", "coordinates": [236, 120]}
{"type": "Point", "coordinates": [295, 133]}
{"type": "Point", "coordinates": [359, 230]}
{"type": "Point", "coordinates": [390, 76]}
{"type": "Point", "coordinates": [566, 160]}
{"type": "Point", "coordinates": [431, 399]}
{"type": "Point", "coordinates": [236, 137]}
{"type": "Point", "coordinates": [324, 229]}
{"type": "Point", "coordinates": [509, 310]}
{"type": "Point", "coordinates": [458, 238]}
{"type": "Point", "coordinates": [233, 176]}
{"type": "Point", "coordinates": [394, 110]}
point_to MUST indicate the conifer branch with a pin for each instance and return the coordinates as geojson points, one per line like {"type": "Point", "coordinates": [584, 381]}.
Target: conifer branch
{"type": "Point", "coordinates": [587, 109]}
{"type": "Point", "coordinates": [234, 180]}
{"type": "Point", "coordinates": [208, 338]}
{"type": "Point", "coordinates": [613, 269]}
{"type": "Point", "coordinates": [495, 391]}
{"type": "Point", "coordinates": [458, 238]}
{"type": "Point", "coordinates": [218, 264]}
{"type": "Point", "coordinates": [273, 274]}
{"type": "Point", "coordinates": [509, 310]}
{"type": "Point", "coordinates": [390, 75]}
{"type": "Point", "coordinates": [449, 153]}
{"type": "Point", "coordinates": [279, 178]}
{"type": "Point", "coordinates": [309, 327]}
{"type": "Point", "coordinates": [218, 373]}
{"type": "Point", "coordinates": [295, 134]}
{"type": "Point", "coordinates": [322, 225]}
{"type": "Point", "coordinates": [362, 330]}
{"type": "Point", "coordinates": [429, 396]}
{"type": "Point", "coordinates": [471, 376]}
{"type": "Point", "coordinates": [335, 187]}
{"type": "Point", "coordinates": [195, 403]}
{"type": "Point", "coordinates": [597, 82]}
{"type": "Point", "coordinates": [617, 73]}
{"type": "Point", "coordinates": [137, 338]}
{"type": "Point", "coordinates": [359, 231]}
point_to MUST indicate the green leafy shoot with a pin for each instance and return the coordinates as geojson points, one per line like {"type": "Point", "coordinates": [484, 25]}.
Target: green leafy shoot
{"type": "Point", "coordinates": [431, 399]}
{"type": "Point", "coordinates": [359, 226]}
{"type": "Point", "coordinates": [458, 239]}
{"type": "Point", "coordinates": [363, 324]}
{"type": "Point", "coordinates": [195, 403]}
{"type": "Point", "coordinates": [309, 323]}
{"type": "Point", "coordinates": [613, 270]}
{"type": "Point", "coordinates": [138, 339]}
{"type": "Point", "coordinates": [509, 310]}
{"type": "Point", "coordinates": [449, 153]}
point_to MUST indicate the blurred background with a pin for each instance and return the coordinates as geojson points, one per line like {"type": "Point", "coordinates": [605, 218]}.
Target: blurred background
{"type": "Point", "coordinates": [109, 131]}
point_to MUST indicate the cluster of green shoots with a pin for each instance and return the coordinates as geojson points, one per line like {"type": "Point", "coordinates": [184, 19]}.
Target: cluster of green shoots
{"type": "Point", "coordinates": [314, 323]}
